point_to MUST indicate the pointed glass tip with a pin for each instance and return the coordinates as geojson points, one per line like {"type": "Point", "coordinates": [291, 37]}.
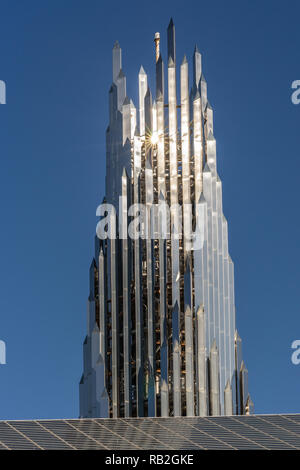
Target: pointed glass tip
{"type": "Point", "coordinates": [196, 50]}
{"type": "Point", "coordinates": [237, 336]}
{"type": "Point", "coordinates": [188, 310]}
{"type": "Point", "coordinates": [210, 136]}
{"type": "Point", "coordinates": [171, 24]}
{"type": "Point", "coordinates": [228, 386]}
{"type": "Point", "coordinates": [142, 71]}
{"type": "Point", "coordinates": [104, 393]}
{"type": "Point", "coordinates": [206, 168]}
{"type": "Point", "coordinates": [171, 62]}
{"type": "Point", "coordinates": [126, 101]}
{"type": "Point", "coordinates": [121, 74]}
{"type": "Point", "coordinates": [200, 310]}
{"type": "Point", "coordinates": [202, 199]}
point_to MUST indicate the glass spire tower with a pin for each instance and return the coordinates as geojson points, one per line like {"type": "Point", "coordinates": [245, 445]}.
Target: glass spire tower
{"type": "Point", "coordinates": [161, 334]}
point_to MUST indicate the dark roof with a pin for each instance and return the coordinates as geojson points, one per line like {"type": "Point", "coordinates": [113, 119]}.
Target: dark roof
{"type": "Point", "coordinates": [224, 432]}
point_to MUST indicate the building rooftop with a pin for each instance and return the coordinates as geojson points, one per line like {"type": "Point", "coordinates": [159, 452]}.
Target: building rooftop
{"type": "Point", "coordinates": [224, 432]}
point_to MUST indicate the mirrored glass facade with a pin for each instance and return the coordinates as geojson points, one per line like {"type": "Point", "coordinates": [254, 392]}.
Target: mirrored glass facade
{"type": "Point", "coordinates": [161, 334]}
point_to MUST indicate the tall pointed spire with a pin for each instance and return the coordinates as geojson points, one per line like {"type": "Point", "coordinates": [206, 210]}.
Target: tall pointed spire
{"type": "Point", "coordinates": [121, 85]}
{"type": "Point", "coordinates": [214, 379]}
{"type": "Point", "coordinates": [148, 111]}
{"type": "Point", "coordinates": [185, 151]}
{"type": "Point", "coordinates": [171, 42]}
{"type": "Point", "coordinates": [143, 86]}
{"type": "Point", "coordinates": [228, 408]}
{"type": "Point", "coordinates": [197, 67]}
{"type": "Point", "coordinates": [116, 60]}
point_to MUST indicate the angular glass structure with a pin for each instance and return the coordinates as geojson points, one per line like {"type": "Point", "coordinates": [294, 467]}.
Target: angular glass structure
{"type": "Point", "coordinates": [161, 336]}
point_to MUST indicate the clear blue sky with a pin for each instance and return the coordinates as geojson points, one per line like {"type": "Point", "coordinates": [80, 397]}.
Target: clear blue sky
{"type": "Point", "coordinates": [56, 60]}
